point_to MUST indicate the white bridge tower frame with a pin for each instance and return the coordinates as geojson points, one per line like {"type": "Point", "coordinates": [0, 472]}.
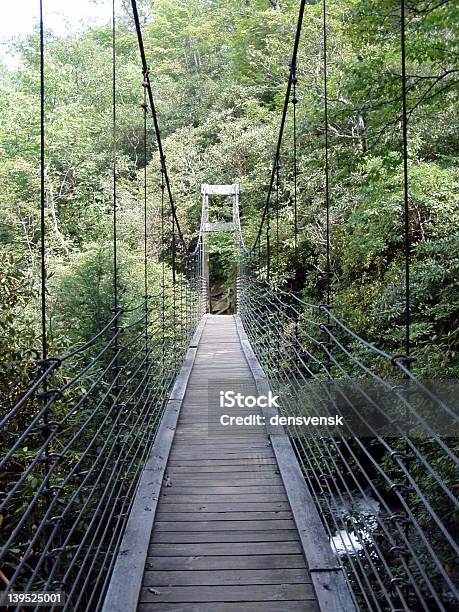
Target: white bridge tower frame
{"type": "Point", "coordinates": [208, 226]}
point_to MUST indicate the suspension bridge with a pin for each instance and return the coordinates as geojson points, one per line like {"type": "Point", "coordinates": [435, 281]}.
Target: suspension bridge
{"type": "Point", "coordinates": [145, 499]}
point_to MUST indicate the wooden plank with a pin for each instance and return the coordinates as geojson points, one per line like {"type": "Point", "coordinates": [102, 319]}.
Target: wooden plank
{"type": "Point", "coordinates": [189, 517]}
{"type": "Point", "coordinates": [207, 435]}
{"type": "Point", "coordinates": [227, 526]}
{"type": "Point", "coordinates": [225, 444]}
{"type": "Point", "coordinates": [226, 510]}
{"type": "Point", "coordinates": [222, 429]}
{"type": "Point", "coordinates": [221, 473]}
{"type": "Point", "coordinates": [223, 577]}
{"type": "Point", "coordinates": [233, 436]}
{"type": "Point", "coordinates": [317, 549]}
{"type": "Point", "coordinates": [245, 593]}
{"type": "Point", "coordinates": [199, 413]}
{"type": "Point", "coordinates": [254, 606]}
{"type": "Point", "coordinates": [216, 462]}
{"type": "Point", "coordinates": [213, 449]}
{"type": "Point", "coordinates": [254, 489]}
{"type": "Point", "coordinates": [211, 438]}
{"type": "Point", "coordinates": [214, 419]}
{"type": "Point", "coordinates": [166, 505]}
{"type": "Point", "coordinates": [226, 548]}
{"type": "Point", "coordinates": [229, 441]}
{"type": "Point", "coordinates": [219, 373]}
{"type": "Point", "coordinates": [246, 469]}
{"type": "Point", "coordinates": [191, 454]}
{"type": "Point", "coordinates": [198, 537]}
{"type": "Point", "coordinates": [226, 562]}
{"type": "Point", "coordinates": [332, 591]}
{"type": "Point", "coordinates": [211, 480]}
{"type": "Point", "coordinates": [199, 407]}
{"type": "Point", "coordinates": [206, 499]}
{"type": "Point", "coordinates": [214, 415]}
{"type": "Point", "coordinates": [235, 478]}
{"type": "Point", "coordinates": [234, 439]}
{"type": "Point", "coordinates": [214, 429]}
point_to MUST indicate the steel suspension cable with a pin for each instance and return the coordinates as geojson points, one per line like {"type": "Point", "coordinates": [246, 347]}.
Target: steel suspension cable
{"type": "Point", "coordinates": [163, 278]}
{"type": "Point", "coordinates": [42, 188]}
{"type": "Point", "coordinates": [295, 165]}
{"type": "Point", "coordinates": [326, 169]}
{"type": "Point", "coordinates": [174, 290]}
{"type": "Point", "coordinates": [268, 243]}
{"type": "Point", "coordinates": [45, 427]}
{"type": "Point", "coordinates": [145, 232]}
{"type": "Point", "coordinates": [282, 124]}
{"type": "Point", "coordinates": [116, 305]}
{"type": "Point", "coordinates": [406, 232]}
{"type": "Point", "coordinates": [406, 212]}
{"type": "Point", "coordinates": [155, 120]}
{"type": "Point", "coordinates": [114, 162]}
{"type": "Point", "coordinates": [277, 214]}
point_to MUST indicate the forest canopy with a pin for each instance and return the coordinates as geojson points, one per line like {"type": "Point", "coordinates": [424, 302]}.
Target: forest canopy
{"type": "Point", "coordinates": [219, 70]}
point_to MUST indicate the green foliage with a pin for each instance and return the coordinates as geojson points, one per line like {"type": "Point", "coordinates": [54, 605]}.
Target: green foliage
{"type": "Point", "coordinates": [219, 70]}
{"type": "Point", "coordinates": [223, 262]}
{"type": "Point", "coordinates": [17, 332]}
{"type": "Point", "coordinates": [219, 74]}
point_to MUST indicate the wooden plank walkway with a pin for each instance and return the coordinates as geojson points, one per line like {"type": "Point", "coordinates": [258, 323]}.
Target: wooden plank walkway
{"type": "Point", "coordinates": [224, 536]}
{"type": "Point", "coordinates": [222, 520]}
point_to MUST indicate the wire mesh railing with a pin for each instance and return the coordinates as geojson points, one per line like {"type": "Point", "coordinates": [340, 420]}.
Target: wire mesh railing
{"type": "Point", "coordinates": [381, 456]}
{"type": "Point", "coordinates": [74, 446]}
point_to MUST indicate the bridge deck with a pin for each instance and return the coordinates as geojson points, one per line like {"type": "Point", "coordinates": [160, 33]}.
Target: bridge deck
{"type": "Point", "coordinates": [222, 519]}
{"type": "Point", "coordinates": [224, 536]}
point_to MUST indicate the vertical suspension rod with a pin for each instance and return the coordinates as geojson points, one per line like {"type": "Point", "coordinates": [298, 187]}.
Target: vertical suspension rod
{"type": "Point", "coordinates": [145, 233]}
{"type": "Point", "coordinates": [277, 214]}
{"type": "Point", "coordinates": [114, 163]}
{"type": "Point", "coordinates": [42, 189]}
{"type": "Point", "coordinates": [406, 212]}
{"type": "Point", "coordinates": [295, 165]}
{"type": "Point", "coordinates": [327, 171]}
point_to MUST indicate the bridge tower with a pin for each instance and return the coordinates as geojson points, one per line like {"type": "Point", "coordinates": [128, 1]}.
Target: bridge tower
{"type": "Point", "coordinates": [216, 226]}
